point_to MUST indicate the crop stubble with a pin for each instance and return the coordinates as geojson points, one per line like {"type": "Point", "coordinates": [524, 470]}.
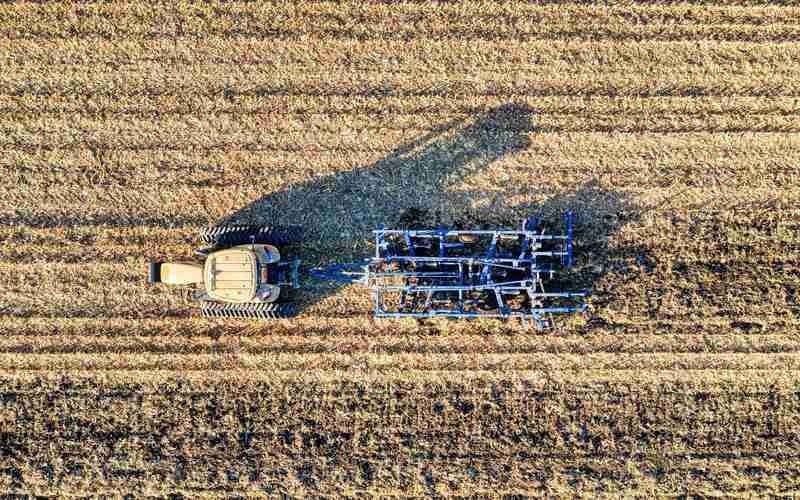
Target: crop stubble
{"type": "Point", "coordinates": [671, 128]}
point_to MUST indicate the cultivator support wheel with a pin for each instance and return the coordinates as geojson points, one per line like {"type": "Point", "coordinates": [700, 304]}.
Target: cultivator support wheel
{"type": "Point", "coordinates": [248, 311]}
{"type": "Point", "coordinates": [442, 272]}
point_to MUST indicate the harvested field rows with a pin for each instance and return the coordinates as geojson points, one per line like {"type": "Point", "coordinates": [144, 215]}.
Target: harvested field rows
{"type": "Point", "coordinates": [671, 128]}
{"type": "Point", "coordinates": [344, 432]}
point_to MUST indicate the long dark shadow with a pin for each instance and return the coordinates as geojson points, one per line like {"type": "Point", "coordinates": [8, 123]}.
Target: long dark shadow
{"type": "Point", "coordinates": [339, 212]}
{"type": "Point", "coordinates": [410, 185]}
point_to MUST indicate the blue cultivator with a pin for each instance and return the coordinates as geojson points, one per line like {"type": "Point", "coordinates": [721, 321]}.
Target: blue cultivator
{"type": "Point", "coordinates": [466, 274]}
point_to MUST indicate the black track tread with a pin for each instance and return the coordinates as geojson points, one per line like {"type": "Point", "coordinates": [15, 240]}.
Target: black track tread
{"type": "Point", "coordinates": [248, 310]}
{"type": "Point", "coordinates": [240, 234]}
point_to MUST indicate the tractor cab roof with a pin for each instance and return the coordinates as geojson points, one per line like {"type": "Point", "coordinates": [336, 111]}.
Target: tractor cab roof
{"type": "Point", "coordinates": [231, 275]}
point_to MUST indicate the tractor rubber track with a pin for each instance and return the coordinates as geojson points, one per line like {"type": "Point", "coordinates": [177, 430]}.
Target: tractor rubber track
{"type": "Point", "coordinates": [240, 234]}
{"type": "Point", "coordinates": [248, 311]}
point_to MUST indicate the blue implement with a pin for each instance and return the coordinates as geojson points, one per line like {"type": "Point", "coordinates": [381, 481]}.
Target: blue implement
{"type": "Point", "coordinates": [467, 273]}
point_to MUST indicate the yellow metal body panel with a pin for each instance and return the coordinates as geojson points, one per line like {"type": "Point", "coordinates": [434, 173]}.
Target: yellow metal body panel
{"type": "Point", "coordinates": [181, 273]}
{"type": "Point", "coordinates": [230, 275]}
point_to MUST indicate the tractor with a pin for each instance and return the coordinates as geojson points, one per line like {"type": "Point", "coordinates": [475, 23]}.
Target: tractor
{"type": "Point", "coordinates": [244, 272]}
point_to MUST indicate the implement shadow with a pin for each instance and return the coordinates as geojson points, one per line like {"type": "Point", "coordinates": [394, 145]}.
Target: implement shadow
{"type": "Point", "coordinates": [338, 212]}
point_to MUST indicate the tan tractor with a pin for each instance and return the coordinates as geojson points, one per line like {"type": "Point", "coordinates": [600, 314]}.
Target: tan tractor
{"type": "Point", "coordinates": [243, 274]}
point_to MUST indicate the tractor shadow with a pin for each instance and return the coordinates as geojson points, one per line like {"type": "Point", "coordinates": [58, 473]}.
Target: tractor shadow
{"type": "Point", "coordinates": [421, 183]}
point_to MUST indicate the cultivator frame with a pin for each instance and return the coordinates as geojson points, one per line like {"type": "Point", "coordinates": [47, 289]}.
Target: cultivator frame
{"type": "Point", "coordinates": [466, 273]}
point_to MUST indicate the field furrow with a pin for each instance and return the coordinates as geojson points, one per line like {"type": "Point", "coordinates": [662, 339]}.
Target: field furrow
{"type": "Point", "coordinates": [483, 362]}
{"type": "Point", "coordinates": [714, 333]}
{"type": "Point", "coordinates": [380, 22]}
{"type": "Point", "coordinates": [253, 81]}
{"type": "Point", "coordinates": [278, 130]}
{"type": "Point", "coordinates": [392, 56]}
{"type": "Point", "coordinates": [476, 12]}
{"type": "Point", "coordinates": [371, 111]}
{"type": "Point", "coordinates": [462, 347]}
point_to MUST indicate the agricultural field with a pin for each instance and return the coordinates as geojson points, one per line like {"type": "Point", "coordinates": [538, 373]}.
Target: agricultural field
{"type": "Point", "coordinates": [671, 128]}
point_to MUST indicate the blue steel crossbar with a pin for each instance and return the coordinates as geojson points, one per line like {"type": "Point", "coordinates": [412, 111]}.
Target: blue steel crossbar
{"type": "Point", "coordinates": [433, 233]}
{"type": "Point", "coordinates": [530, 313]}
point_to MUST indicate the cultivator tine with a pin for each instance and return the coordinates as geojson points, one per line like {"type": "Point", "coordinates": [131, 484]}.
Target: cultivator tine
{"type": "Point", "coordinates": [381, 244]}
{"type": "Point", "coordinates": [501, 306]}
{"type": "Point", "coordinates": [488, 258]}
{"type": "Point", "coordinates": [530, 224]}
{"type": "Point", "coordinates": [429, 300]}
{"type": "Point", "coordinates": [410, 243]}
{"type": "Point", "coordinates": [526, 244]}
{"type": "Point", "coordinates": [403, 300]}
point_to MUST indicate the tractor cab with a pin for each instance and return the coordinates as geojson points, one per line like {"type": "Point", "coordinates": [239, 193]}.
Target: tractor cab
{"type": "Point", "coordinates": [241, 275]}
{"type": "Point", "coordinates": [246, 273]}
